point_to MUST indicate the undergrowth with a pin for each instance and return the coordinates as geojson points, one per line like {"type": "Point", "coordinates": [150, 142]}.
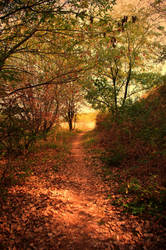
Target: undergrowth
{"type": "Point", "coordinates": [132, 152]}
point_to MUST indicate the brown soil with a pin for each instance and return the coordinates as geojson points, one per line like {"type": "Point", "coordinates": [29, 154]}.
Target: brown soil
{"type": "Point", "coordinates": [68, 209]}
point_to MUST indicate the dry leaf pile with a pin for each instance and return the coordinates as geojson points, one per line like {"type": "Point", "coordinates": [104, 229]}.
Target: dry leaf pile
{"type": "Point", "coordinates": [66, 207]}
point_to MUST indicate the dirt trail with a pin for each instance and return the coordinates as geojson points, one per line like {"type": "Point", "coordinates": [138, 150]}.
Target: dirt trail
{"type": "Point", "coordinates": [86, 209]}
{"type": "Point", "coordinates": [67, 209]}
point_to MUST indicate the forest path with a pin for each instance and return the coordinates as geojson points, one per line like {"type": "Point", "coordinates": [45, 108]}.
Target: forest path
{"type": "Point", "coordinates": [65, 209]}
{"type": "Point", "coordinates": [86, 216]}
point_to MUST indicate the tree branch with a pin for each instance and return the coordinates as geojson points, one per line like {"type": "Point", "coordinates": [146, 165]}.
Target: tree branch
{"type": "Point", "coordinates": [55, 80]}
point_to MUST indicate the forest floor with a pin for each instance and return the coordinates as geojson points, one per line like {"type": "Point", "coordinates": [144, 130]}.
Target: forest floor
{"type": "Point", "coordinates": [66, 207]}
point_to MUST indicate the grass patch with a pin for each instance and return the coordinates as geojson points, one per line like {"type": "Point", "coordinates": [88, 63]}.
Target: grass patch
{"type": "Point", "coordinates": [89, 140]}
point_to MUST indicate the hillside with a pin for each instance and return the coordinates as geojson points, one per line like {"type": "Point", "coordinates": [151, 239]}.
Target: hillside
{"type": "Point", "coordinates": [134, 154]}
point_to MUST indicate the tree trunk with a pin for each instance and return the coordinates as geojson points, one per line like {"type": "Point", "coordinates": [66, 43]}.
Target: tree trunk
{"type": "Point", "coordinates": [70, 124]}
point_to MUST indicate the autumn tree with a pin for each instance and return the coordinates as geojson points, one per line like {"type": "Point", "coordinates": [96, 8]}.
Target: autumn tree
{"type": "Point", "coordinates": [124, 49]}
{"type": "Point", "coordinates": [159, 9]}
{"type": "Point", "coordinates": [27, 116]}
{"type": "Point", "coordinates": [71, 101]}
{"type": "Point", "coordinates": [37, 40]}
{"type": "Point", "coordinates": [27, 27]}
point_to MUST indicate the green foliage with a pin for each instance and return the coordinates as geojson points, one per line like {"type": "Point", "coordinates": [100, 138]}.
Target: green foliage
{"type": "Point", "coordinates": [113, 157]}
{"type": "Point", "coordinates": [139, 199]}
{"type": "Point", "coordinates": [89, 142]}
{"type": "Point", "coordinates": [121, 63]}
{"type": "Point", "coordinates": [148, 80]}
{"type": "Point", "coordinates": [100, 94]}
{"type": "Point", "coordinates": [146, 199]}
{"type": "Point", "coordinates": [15, 135]}
{"type": "Point", "coordinates": [12, 130]}
{"type": "Point", "coordinates": [49, 145]}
